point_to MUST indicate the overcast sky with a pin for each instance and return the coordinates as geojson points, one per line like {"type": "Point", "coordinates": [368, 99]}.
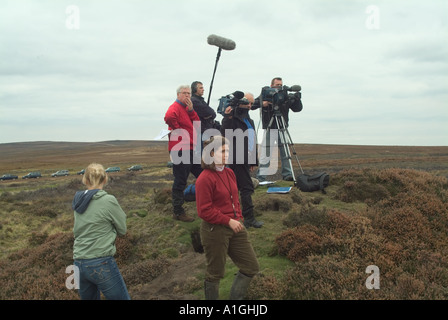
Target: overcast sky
{"type": "Point", "coordinates": [372, 72]}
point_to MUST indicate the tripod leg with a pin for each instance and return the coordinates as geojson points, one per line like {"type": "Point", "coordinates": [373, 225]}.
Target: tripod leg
{"type": "Point", "coordinates": [267, 150]}
{"type": "Point", "coordinates": [285, 144]}
{"type": "Point", "coordinates": [291, 144]}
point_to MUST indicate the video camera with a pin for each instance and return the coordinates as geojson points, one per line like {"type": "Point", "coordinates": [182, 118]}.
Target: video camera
{"type": "Point", "coordinates": [233, 100]}
{"type": "Point", "coordinates": [280, 96]}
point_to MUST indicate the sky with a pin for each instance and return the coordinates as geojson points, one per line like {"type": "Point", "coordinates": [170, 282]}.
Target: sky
{"type": "Point", "coordinates": [372, 72]}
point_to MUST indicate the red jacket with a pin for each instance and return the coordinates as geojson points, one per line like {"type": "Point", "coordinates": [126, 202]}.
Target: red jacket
{"type": "Point", "coordinates": [177, 117]}
{"type": "Point", "coordinates": [213, 201]}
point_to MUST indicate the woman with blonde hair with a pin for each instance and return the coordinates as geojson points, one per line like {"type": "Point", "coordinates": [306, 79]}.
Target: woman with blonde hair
{"type": "Point", "coordinates": [98, 220]}
{"type": "Point", "coordinates": [222, 231]}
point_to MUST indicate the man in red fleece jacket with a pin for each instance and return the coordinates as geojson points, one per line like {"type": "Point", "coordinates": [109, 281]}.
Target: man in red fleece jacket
{"type": "Point", "coordinates": [182, 143]}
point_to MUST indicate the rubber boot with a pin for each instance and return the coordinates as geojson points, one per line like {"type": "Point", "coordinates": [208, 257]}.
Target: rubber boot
{"type": "Point", "coordinates": [239, 286]}
{"type": "Point", "coordinates": [178, 201]}
{"type": "Point", "coordinates": [211, 290]}
{"type": "Point", "coordinates": [178, 210]}
{"type": "Point", "coordinates": [252, 222]}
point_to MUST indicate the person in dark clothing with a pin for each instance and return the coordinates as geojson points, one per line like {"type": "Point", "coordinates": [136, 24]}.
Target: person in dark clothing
{"type": "Point", "coordinates": [203, 110]}
{"type": "Point", "coordinates": [266, 116]}
{"type": "Point", "coordinates": [244, 155]}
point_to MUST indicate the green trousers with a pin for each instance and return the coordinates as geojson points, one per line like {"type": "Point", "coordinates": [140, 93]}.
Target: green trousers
{"type": "Point", "coordinates": [218, 242]}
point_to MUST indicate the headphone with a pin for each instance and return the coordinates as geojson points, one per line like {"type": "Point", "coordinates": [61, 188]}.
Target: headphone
{"type": "Point", "coordinates": [194, 86]}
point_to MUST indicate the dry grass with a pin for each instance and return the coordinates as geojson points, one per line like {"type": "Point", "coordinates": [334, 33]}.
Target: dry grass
{"type": "Point", "coordinates": [379, 210]}
{"type": "Point", "coordinates": [403, 232]}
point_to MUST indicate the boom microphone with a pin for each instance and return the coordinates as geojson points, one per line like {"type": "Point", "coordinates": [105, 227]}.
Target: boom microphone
{"type": "Point", "coordinates": [221, 42]}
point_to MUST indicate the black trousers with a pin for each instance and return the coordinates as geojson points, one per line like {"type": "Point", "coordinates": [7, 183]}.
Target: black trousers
{"type": "Point", "coordinates": [245, 187]}
{"type": "Point", "coordinates": [181, 172]}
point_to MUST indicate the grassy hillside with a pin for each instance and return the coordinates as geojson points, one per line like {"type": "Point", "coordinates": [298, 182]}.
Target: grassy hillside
{"type": "Point", "coordinates": [386, 206]}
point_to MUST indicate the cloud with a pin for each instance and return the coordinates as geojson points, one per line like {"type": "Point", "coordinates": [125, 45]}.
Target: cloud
{"type": "Point", "coordinates": [115, 77]}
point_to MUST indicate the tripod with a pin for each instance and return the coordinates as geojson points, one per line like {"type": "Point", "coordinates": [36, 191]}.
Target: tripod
{"type": "Point", "coordinates": [284, 138]}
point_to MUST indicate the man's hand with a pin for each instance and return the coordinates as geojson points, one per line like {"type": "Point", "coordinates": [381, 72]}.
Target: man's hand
{"type": "Point", "coordinates": [228, 111]}
{"type": "Point", "coordinates": [266, 104]}
{"type": "Point", "coordinates": [189, 104]}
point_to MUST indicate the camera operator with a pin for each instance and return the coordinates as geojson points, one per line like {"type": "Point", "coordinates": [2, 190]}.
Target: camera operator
{"type": "Point", "coordinates": [238, 118]}
{"type": "Point", "coordinates": [203, 110]}
{"type": "Point", "coordinates": [266, 115]}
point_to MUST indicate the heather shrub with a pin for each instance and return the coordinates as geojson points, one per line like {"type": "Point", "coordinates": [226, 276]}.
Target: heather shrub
{"type": "Point", "coordinates": [279, 202]}
{"type": "Point", "coordinates": [299, 242]}
{"type": "Point", "coordinates": [42, 209]}
{"type": "Point", "coordinates": [7, 197]}
{"type": "Point", "coordinates": [352, 191]}
{"type": "Point", "coordinates": [39, 272]}
{"type": "Point", "coordinates": [266, 287]}
{"type": "Point", "coordinates": [162, 196]}
{"type": "Point", "coordinates": [400, 225]}
{"type": "Point", "coordinates": [189, 285]}
{"type": "Point", "coordinates": [402, 230]}
{"type": "Point", "coordinates": [405, 225]}
{"type": "Point", "coordinates": [331, 232]}
{"type": "Point", "coordinates": [37, 238]}
{"type": "Point", "coordinates": [131, 185]}
{"type": "Point", "coordinates": [296, 196]}
{"type": "Point", "coordinates": [308, 214]}
{"type": "Point", "coordinates": [324, 277]}
{"type": "Point", "coordinates": [144, 271]}
{"type": "Point", "coordinates": [126, 248]}
{"type": "Point", "coordinates": [375, 185]}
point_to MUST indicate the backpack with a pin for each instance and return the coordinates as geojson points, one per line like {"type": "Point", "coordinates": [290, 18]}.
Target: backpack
{"type": "Point", "coordinates": [190, 193]}
{"type": "Point", "coordinates": [310, 183]}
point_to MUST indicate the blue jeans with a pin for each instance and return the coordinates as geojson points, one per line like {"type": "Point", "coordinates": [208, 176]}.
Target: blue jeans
{"type": "Point", "coordinates": [101, 275]}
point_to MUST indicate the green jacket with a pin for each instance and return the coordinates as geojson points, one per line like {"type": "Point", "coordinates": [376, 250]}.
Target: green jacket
{"type": "Point", "coordinates": [97, 227]}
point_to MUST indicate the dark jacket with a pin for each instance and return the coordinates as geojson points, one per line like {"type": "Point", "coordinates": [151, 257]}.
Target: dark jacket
{"type": "Point", "coordinates": [204, 111]}
{"type": "Point", "coordinates": [239, 119]}
{"type": "Point", "coordinates": [295, 104]}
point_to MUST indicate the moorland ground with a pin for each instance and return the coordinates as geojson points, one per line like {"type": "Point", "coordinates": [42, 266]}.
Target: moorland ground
{"type": "Point", "coordinates": [385, 206]}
